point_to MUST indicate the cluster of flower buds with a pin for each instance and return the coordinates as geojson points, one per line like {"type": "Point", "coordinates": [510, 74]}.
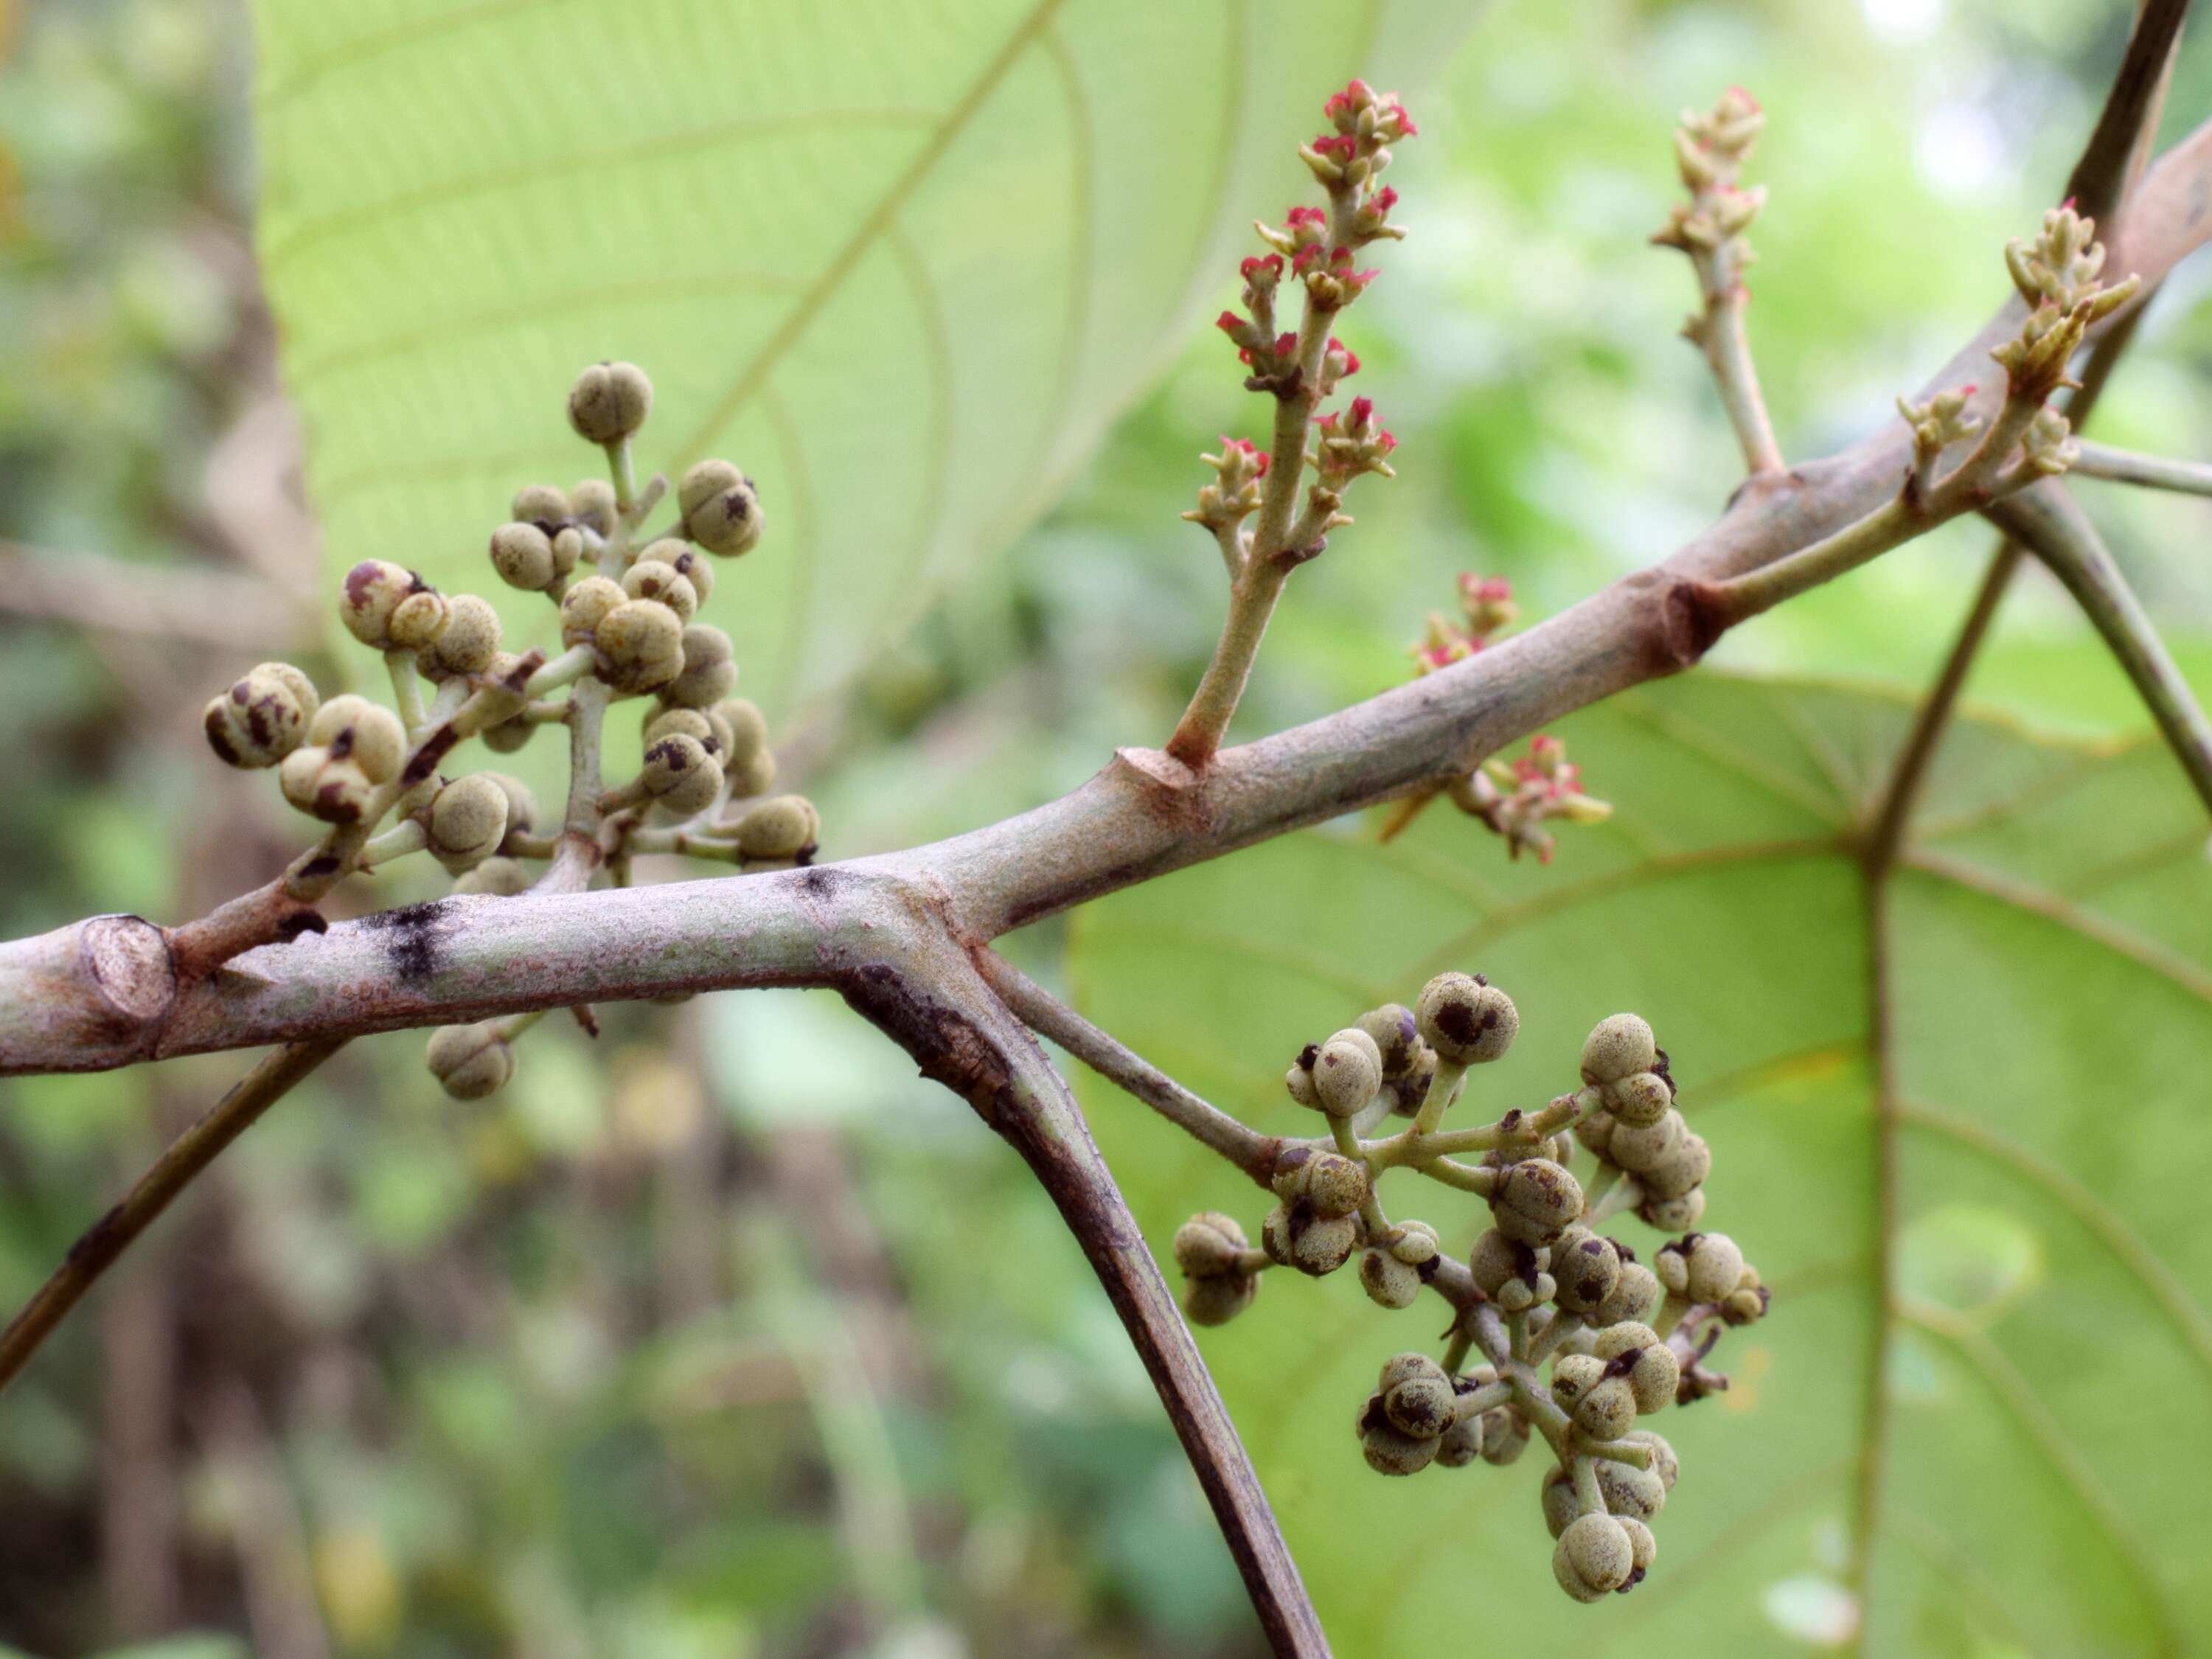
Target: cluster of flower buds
{"type": "Point", "coordinates": [1486, 610]}
{"type": "Point", "coordinates": [1564, 1322]}
{"type": "Point", "coordinates": [2057, 274]}
{"type": "Point", "coordinates": [628, 604]}
{"type": "Point", "coordinates": [1316, 248]}
{"type": "Point", "coordinates": [1516, 798]}
{"type": "Point", "coordinates": [1711, 148]}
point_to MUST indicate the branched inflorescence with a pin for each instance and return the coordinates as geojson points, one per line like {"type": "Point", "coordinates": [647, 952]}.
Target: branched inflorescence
{"type": "Point", "coordinates": [1253, 507]}
{"type": "Point", "coordinates": [1542, 1287]}
{"type": "Point", "coordinates": [628, 602]}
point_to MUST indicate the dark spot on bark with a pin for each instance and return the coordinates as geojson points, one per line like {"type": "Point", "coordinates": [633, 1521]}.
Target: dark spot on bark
{"type": "Point", "coordinates": [299, 923]}
{"type": "Point", "coordinates": [425, 761]}
{"type": "Point", "coordinates": [417, 935]}
{"type": "Point", "coordinates": [1510, 1122]}
{"type": "Point", "coordinates": [332, 807]}
{"type": "Point", "coordinates": [97, 1243]}
{"type": "Point", "coordinates": [315, 868]}
{"type": "Point", "coordinates": [1429, 1269]}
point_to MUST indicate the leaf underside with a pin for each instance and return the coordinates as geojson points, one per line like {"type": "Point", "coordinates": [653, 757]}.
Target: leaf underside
{"type": "Point", "coordinates": [903, 262]}
{"type": "Point", "coordinates": [2003, 1452]}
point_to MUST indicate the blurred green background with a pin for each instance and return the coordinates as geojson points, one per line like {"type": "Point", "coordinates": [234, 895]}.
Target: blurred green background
{"type": "Point", "coordinates": [726, 1334]}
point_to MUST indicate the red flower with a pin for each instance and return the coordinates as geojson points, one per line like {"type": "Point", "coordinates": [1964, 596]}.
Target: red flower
{"type": "Point", "coordinates": [1230, 323]}
{"type": "Point", "coordinates": [1338, 348]}
{"type": "Point", "coordinates": [1306, 216]}
{"type": "Point", "coordinates": [1272, 265]}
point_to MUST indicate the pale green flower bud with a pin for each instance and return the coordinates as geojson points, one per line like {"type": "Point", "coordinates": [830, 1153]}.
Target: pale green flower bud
{"type": "Point", "coordinates": [1617, 1047]}
{"type": "Point", "coordinates": [499, 878]}
{"type": "Point", "coordinates": [263, 717]}
{"type": "Point", "coordinates": [1637, 1147]}
{"type": "Point", "coordinates": [469, 1060]}
{"type": "Point", "coordinates": [649, 579]}
{"type": "Point", "coordinates": [1643, 1548]}
{"type": "Point", "coordinates": [1680, 1171]}
{"type": "Point", "coordinates": [1664, 1463]}
{"type": "Point", "coordinates": [372, 590]}
{"type": "Point", "coordinates": [643, 643]}
{"type": "Point", "coordinates": [584, 606]}
{"type": "Point", "coordinates": [684, 722]}
{"type": "Point", "coordinates": [1396, 1037]}
{"type": "Point", "coordinates": [418, 620]}
{"type": "Point", "coordinates": [1208, 1301]}
{"type": "Point", "coordinates": [721, 509]}
{"type": "Point", "coordinates": [592, 505]}
{"type": "Point", "coordinates": [608, 402]}
{"type": "Point", "coordinates": [1496, 1258]}
{"type": "Point", "coordinates": [1636, 1297]}
{"type": "Point", "coordinates": [1466, 1019]}
{"type": "Point", "coordinates": [1595, 1129]}
{"type": "Point", "coordinates": [319, 784]}
{"type": "Point", "coordinates": [1675, 1215]}
{"type": "Point", "coordinates": [709, 666]}
{"type": "Point", "coordinates": [747, 726]}
{"type": "Point", "coordinates": [1347, 1072]}
{"type": "Point", "coordinates": [1208, 1244]}
{"type": "Point", "coordinates": [1588, 1268]}
{"type": "Point", "coordinates": [780, 827]}
{"type": "Point", "coordinates": [1573, 1377]}
{"type": "Point", "coordinates": [352, 728]}
{"type": "Point", "coordinates": [1607, 1410]}
{"type": "Point", "coordinates": [1504, 1436]}
{"type": "Point", "coordinates": [543, 505]}
{"type": "Point", "coordinates": [1560, 1507]}
{"type": "Point", "coordinates": [468, 819]}
{"type": "Point", "coordinates": [681, 774]}
{"type": "Point", "coordinates": [1639, 1098]}
{"type": "Point", "coordinates": [1418, 1398]}
{"type": "Point", "coordinates": [1593, 1557]}
{"type": "Point", "coordinates": [1534, 1200]}
{"type": "Point", "coordinates": [1629, 1491]}
{"type": "Point", "coordinates": [470, 637]}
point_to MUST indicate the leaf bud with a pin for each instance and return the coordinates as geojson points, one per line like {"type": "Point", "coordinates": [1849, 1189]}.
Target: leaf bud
{"type": "Point", "coordinates": [470, 1061]}
{"type": "Point", "coordinates": [608, 402]}
{"type": "Point", "coordinates": [263, 717]}
{"type": "Point", "coordinates": [1618, 1047]}
{"type": "Point", "coordinates": [1466, 1019]}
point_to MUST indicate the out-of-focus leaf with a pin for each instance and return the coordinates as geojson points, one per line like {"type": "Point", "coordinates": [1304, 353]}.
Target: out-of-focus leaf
{"type": "Point", "coordinates": [903, 262]}
{"type": "Point", "coordinates": [1975, 1439]}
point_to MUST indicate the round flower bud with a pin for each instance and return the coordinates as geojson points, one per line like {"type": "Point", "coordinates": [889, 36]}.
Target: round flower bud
{"type": "Point", "coordinates": [1217, 1301]}
{"type": "Point", "coordinates": [1519, 1295]}
{"type": "Point", "coordinates": [608, 402]}
{"type": "Point", "coordinates": [1746, 1305]}
{"type": "Point", "coordinates": [372, 592]}
{"type": "Point", "coordinates": [1560, 1506]}
{"type": "Point", "coordinates": [587, 604]}
{"type": "Point", "coordinates": [1534, 1200]}
{"type": "Point", "coordinates": [418, 620]}
{"type": "Point", "coordinates": [1461, 1444]}
{"type": "Point", "coordinates": [352, 728]}
{"type": "Point", "coordinates": [468, 820]}
{"type": "Point", "coordinates": [1406, 1091]}
{"type": "Point", "coordinates": [1607, 1410]}
{"type": "Point", "coordinates": [721, 509]}
{"type": "Point", "coordinates": [1593, 1557]}
{"type": "Point", "coordinates": [1417, 1243]}
{"type": "Point", "coordinates": [1397, 1039]}
{"type": "Point", "coordinates": [543, 505]}
{"type": "Point", "coordinates": [1617, 1047]}
{"type": "Point", "coordinates": [1496, 1259]}
{"type": "Point", "coordinates": [1330, 1184]}
{"type": "Point", "coordinates": [649, 579]}
{"type": "Point", "coordinates": [1424, 1405]}
{"type": "Point", "coordinates": [1321, 1244]}
{"type": "Point", "coordinates": [747, 726]}
{"type": "Point", "coordinates": [509, 736]}
{"type": "Point", "coordinates": [1643, 1548]}
{"type": "Point", "coordinates": [592, 505]}
{"type": "Point", "coordinates": [1299, 1079]}
{"type": "Point", "coordinates": [1347, 1072]}
{"type": "Point", "coordinates": [1664, 1463]}
{"type": "Point", "coordinates": [1389, 1282]}
{"type": "Point", "coordinates": [1675, 1215]}
{"type": "Point", "coordinates": [568, 548]}
{"type": "Point", "coordinates": [1466, 1019]}
{"type": "Point", "coordinates": [1387, 1448]}
{"type": "Point", "coordinates": [521, 805]}
{"type": "Point", "coordinates": [319, 784]}
{"type": "Point", "coordinates": [1629, 1491]}
{"type": "Point", "coordinates": [685, 722]}
{"type": "Point", "coordinates": [1573, 1375]}
{"type": "Point", "coordinates": [1637, 1147]}
{"type": "Point", "coordinates": [780, 827]}
{"type": "Point", "coordinates": [688, 563]}
{"type": "Point", "coordinates": [1636, 1297]}
{"type": "Point", "coordinates": [263, 717]}
{"type": "Point", "coordinates": [719, 724]}
{"type": "Point", "coordinates": [642, 641]}
{"type": "Point", "coordinates": [710, 668]}
{"type": "Point", "coordinates": [470, 638]}
{"type": "Point", "coordinates": [1710, 1264]}
{"type": "Point", "coordinates": [1208, 1244]}
{"type": "Point", "coordinates": [1641, 1097]}
{"type": "Point", "coordinates": [1586, 1268]}
{"type": "Point", "coordinates": [523, 554]}
{"type": "Point", "coordinates": [471, 1060]}
{"type": "Point", "coordinates": [1677, 1174]}
{"type": "Point", "coordinates": [681, 774]}
{"type": "Point", "coordinates": [499, 878]}
{"type": "Point", "coordinates": [1504, 1436]}
{"type": "Point", "coordinates": [754, 775]}
{"type": "Point", "coordinates": [1594, 1131]}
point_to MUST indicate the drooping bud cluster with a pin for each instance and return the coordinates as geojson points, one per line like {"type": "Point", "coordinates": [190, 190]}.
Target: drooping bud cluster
{"type": "Point", "coordinates": [629, 605]}
{"type": "Point", "coordinates": [1579, 1338]}
{"type": "Point", "coordinates": [1486, 610]}
{"type": "Point", "coordinates": [1516, 798]}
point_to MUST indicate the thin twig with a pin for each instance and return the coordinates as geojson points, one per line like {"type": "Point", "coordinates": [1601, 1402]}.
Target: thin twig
{"type": "Point", "coordinates": [192, 1151]}
{"type": "Point", "coordinates": [2051, 524]}
{"type": "Point", "coordinates": [2153, 472]}
{"type": "Point", "coordinates": [1048, 1016]}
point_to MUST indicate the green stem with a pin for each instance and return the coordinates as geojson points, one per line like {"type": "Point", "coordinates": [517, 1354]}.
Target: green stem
{"type": "Point", "coordinates": [407, 693]}
{"type": "Point", "coordinates": [569, 668]}
{"type": "Point", "coordinates": [2153, 472]}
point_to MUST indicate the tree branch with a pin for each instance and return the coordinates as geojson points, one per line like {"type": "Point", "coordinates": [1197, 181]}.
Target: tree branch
{"type": "Point", "coordinates": [931, 1001]}
{"type": "Point", "coordinates": [2152, 471]}
{"type": "Point", "coordinates": [192, 1152]}
{"type": "Point", "coordinates": [2050, 523]}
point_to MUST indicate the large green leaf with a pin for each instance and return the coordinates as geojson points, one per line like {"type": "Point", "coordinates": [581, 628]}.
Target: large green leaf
{"type": "Point", "coordinates": [902, 262]}
{"type": "Point", "coordinates": [2010, 1444]}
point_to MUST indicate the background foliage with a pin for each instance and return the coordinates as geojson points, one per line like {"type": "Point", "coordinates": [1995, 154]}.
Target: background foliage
{"type": "Point", "coordinates": [728, 1335]}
